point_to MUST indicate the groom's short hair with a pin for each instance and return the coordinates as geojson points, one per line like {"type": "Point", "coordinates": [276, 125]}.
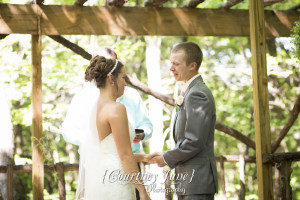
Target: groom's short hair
{"type": "Point", "coordinates": [192, 52]}
{"type": "Point", "coordinates": [106, 52]}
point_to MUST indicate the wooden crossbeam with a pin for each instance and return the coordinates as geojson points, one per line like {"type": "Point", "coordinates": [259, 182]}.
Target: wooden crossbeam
{"type": "Point", "coordinates": [48, 168]}
{"type": "Point", "coordinates": [236, 134]}
{"type": "Point", "coordinates": [271, 2]}
{"type": "Point", "coordinates": [229, 4]}
{"type": "Point", "coordinates": [129, 21]}
{"type": "Point", "coordinates": [37, 2]}
{"type": "Point", "coordinates": [79, 2]}
{"type": "Point", "coordinates": [193, 3]}
{"type": "Point", "coordinates": [280, 157]}
{"type": "Point", "coordinates": [134, 82]}
{"type": "Point", "coordinates": [155, 3]}
{"type": "Point", "coordinates": [115, 2]}
{"type": "Point", "coordinates": [296, 7]}
{"type": "Point", "coordinates": [2, 36]}
{"type": "Point", "coordinates": [74, 47]}
{"type": "Point", "coordinates": [288, 125]}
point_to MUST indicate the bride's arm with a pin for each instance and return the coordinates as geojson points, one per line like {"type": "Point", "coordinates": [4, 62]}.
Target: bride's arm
{"type": "Point", "coordinates": [140, 157]}
{"type": "Point", "coordinates": [119, 126]}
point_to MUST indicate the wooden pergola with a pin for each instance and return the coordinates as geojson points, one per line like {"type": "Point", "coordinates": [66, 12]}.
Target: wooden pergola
{"type": "Point", "coordinates": [152, 19]}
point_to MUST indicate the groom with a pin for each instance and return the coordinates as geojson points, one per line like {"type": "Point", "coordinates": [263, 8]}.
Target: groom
{"type": "Point", "coordinates": [193, 156]}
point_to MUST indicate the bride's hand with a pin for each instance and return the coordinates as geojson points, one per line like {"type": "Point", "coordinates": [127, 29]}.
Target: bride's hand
{"type": "Point", "coordinates": [148, 158]}
{"type": "Point", "coordinates": [144, 196]}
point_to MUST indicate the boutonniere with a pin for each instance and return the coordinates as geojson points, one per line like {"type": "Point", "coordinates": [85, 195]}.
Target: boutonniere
{"type": "Point", "coordinates": [179, 100]}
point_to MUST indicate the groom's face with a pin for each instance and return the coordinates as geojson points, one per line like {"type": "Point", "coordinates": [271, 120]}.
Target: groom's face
{"type": "Point", "coordinates": [179, 67]}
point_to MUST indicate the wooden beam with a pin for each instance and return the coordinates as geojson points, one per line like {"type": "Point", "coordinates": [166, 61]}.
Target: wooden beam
{"type": "Point", "coordinates": [155, 3]}
{"type": "Point", "coordinates": [134, 82]}
{"type": "Point", "coordinates": [79, 2]}
{"type": "Point", "coordinates": [296, 7]}
{"type": "Point", "coordinates": [234, 158]}
{"type": "Point", "coordinates": [288, 125]}
{"type": "Point", "coordinates": [285, 172]}
{"type": "Point", "coordinates": [260, 98]}
{"type": "Point", "coordinates": [193, 3]}
{"type": "Point", "coordinates": [37, 2]}
{"type": "Point", "coordinates": [271, 2]}
{"type": "Point", "coordinates": [271, 46]}
{"type": "Point", "coordinates": [37, 130]}
{"type": "Point", "coordinates": [10, 182]}
{"type": "Point", "coordinates": [67, 43]}
{"type": "Point", "coordinates": [47, 168]}
{"type": "Point", "coordinates": [61, 181]}
{"type": "Point", "coordinates": [74, 47]}
{"type": "Point", "coordinates": [267, 158]}
{"type": "Point", "coordinates": [281, 157]}
{"type": "Point", "coordinates": [115, 2]}
{"type": "Point", "coordinates": [166, 170]}
{"type": "Point", "coordinates": [236, 134]}
{"type": "Point", "coordinates": [229, 4]}
{"type": "Point", "coordinates": [2, 36]}
{"type": "Point", "coordinates": [242, 192]}
{"type": "Point", "coordinates": [129, 21]}
{"type": "Point", "coordinates": [222, 176]}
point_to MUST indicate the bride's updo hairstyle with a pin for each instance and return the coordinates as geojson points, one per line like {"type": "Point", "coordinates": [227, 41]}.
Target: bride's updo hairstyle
{"type": "Point", "coordinates": [99, 69]}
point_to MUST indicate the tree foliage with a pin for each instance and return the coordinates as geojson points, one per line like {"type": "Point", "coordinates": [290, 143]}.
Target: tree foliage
{"type": "Point", "coordinates": [296, 39]}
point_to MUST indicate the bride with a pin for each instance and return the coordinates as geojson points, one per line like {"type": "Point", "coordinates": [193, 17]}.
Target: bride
{"type": "Point", "coordinates": [108, 168]}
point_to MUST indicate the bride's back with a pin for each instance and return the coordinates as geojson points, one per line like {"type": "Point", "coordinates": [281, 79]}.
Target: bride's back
{"type": "Point", "coordinates": [104, 110]}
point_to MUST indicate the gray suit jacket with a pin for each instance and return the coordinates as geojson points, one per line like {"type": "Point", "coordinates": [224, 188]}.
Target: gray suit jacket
{"type": "Point", "coordinates": [193, 155]}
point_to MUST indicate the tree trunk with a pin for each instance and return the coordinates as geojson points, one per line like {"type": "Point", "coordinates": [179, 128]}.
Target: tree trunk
{"type": "Point", "coordinates": [6, 142]}
{"type": "Point", "coordinates": [155, 105]}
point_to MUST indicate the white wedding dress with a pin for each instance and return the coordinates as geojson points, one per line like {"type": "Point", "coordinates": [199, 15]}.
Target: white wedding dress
{"type": "Point", "coordinates": [101, 174]}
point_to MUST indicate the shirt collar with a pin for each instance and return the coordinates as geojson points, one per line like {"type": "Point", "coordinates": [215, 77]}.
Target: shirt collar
{"type": "Point", "coordinates": [186, 84]}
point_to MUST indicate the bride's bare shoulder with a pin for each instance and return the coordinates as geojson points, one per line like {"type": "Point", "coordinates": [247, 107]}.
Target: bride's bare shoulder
{"type": "Point", "coordinates": [116, 109]}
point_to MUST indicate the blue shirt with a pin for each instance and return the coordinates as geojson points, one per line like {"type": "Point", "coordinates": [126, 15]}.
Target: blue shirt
{"type": "Point", "coordinates": [137, 114]}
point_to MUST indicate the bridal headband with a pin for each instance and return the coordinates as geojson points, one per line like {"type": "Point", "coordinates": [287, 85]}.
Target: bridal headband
{"type": "Point", "coordinates": [113, 69]}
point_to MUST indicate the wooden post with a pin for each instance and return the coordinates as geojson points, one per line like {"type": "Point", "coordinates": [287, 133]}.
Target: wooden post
{"type": "Point", "coordinates": [260, 97]}
{"type": "Point", "coordinates": [61, 181]}
{"type": "Point", "coordinates": [242, 177]}
{"type": "Point", "coordinates": [10, 182]}
{"type": "Point", "coordinates": [277, 184]}
{"type": "Point", "coordinates": [223, 177]}
{"type": "Point", "coordinates": [285, 172]}
{"type": "Point", "coordinates": [168, 195]}
{"type": "Point", "coordinates": [37, 130]}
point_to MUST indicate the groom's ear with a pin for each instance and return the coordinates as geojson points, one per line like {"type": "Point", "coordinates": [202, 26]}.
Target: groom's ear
{"type": "Point", "coordinates": [193, 66]}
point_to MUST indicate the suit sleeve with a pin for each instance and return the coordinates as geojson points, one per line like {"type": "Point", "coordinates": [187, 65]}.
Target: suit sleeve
{"type": "Point", "coordinates": [198, 123]}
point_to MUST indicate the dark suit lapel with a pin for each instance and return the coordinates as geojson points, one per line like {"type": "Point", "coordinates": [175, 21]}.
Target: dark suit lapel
{"type": "Point", "coordinates": [174, 126]}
